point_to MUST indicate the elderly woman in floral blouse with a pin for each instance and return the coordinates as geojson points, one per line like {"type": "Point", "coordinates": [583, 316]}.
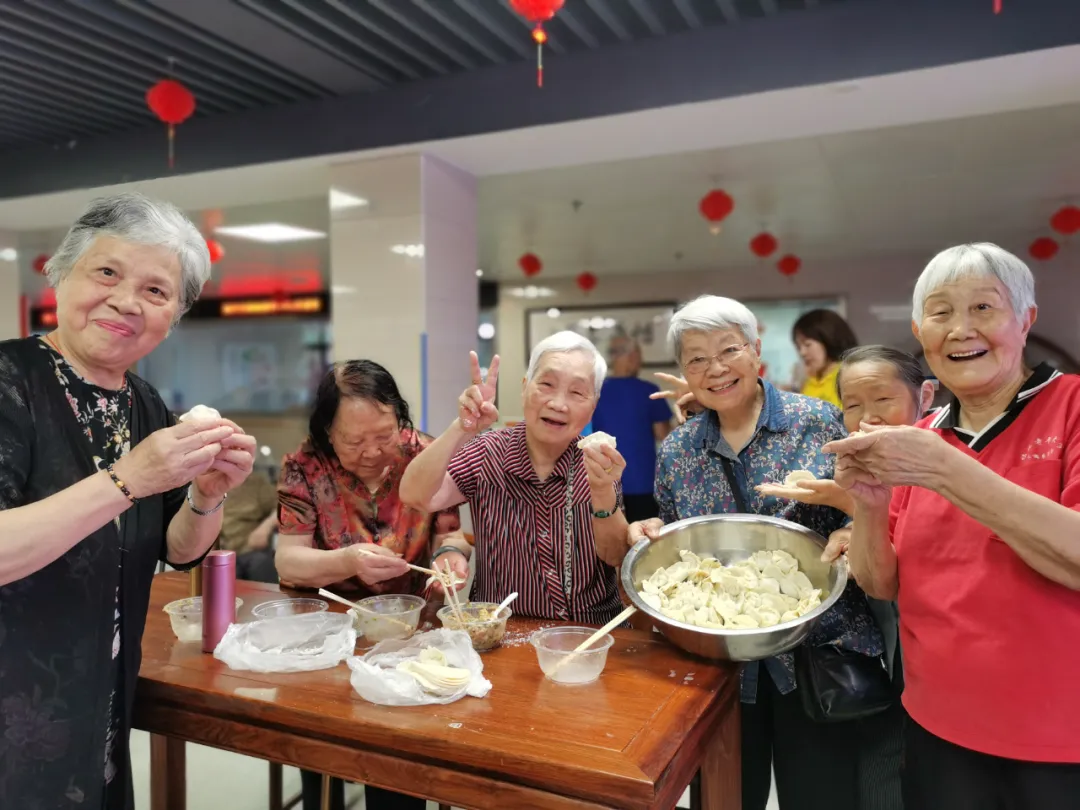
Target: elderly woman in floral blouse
{"type": "Point", "coordinates": [751, 433]}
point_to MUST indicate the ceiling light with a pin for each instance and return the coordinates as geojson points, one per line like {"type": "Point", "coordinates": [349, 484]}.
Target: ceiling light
{"type": "Point", "coordinates": [892, 313]}
{"type": "Point", "coordinates": [479, 273]}
{"type": "Point", "coordinates": [337, 289]}
{"type": "Point", "coordinates": [270, 232]}
{"type": "Point", "coordinates": [486, 331]}
{"type": "Point", "coordinates": [265, 450]}
{"type": "Point", "coordinates": [412, 251]}
{"type": "Point", "coordinates": [8, 255]}
{"type": "Point", "coordinates": [340, 200]}
{"type": "Point", "coordinates": [531, 292]}
{"type": "Point", "coordinates": [554, 312]}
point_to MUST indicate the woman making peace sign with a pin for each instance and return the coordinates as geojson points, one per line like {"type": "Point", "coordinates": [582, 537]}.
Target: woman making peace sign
{"type": "Point", "coordinates": [547, 515]}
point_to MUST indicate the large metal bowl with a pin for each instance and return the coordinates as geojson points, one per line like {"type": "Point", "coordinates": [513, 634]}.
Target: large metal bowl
{"type": "Point", "coordinates": [730, 538]}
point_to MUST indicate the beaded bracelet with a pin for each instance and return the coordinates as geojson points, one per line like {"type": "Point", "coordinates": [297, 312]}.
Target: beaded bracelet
{"type": "Point", "coordinates": [120, 484]}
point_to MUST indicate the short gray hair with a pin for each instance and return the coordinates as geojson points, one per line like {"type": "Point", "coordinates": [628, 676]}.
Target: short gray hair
{"type": "Point", "coordinates": [979, 259]}
{"type": "Point", "coordinates": [135, 218]}
{"type": "Point", "coordinates": [711, 313]}
{"type": "Point", "coordinates": [562, 343]}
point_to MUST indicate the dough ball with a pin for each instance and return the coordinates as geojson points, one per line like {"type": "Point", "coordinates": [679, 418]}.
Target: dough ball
{"type": "Point", "coordinates": [793, 478]}
{"type": "Point", "coordinates": [201, 413]}
{"type": "Point", "coordinates": [598, 439]}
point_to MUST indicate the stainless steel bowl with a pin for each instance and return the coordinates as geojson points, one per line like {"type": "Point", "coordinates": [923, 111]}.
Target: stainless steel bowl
{"type": "Point", "coordinates": [730, 538]}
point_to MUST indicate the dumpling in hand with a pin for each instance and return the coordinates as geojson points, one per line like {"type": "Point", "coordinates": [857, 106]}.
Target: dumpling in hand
{"type": "Point", "coordinates": [597, 440]}
{"type": "Point", "coordinates": [793, 478]}
{"type": "Point", "coordinates": [200, 413]}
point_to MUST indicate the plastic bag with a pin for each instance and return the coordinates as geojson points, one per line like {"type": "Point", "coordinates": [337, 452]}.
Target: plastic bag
{"type": "Point", "coordinates": [300, 643]}
{"type": "Point", "coordinates": [376, 679]}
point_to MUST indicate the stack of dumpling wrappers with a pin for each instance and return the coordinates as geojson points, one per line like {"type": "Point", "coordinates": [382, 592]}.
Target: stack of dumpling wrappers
{"type": "Point", "coordinates": [765, 590]}
{"type": "Point", "coordinates": [433, 674]}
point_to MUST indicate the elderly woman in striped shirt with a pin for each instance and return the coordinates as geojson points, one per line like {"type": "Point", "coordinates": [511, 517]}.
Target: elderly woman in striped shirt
{"type": "Point", "coordinates": [546, 514]}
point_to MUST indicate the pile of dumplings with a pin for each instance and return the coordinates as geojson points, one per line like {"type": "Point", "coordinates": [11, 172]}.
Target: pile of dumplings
{"type": "Point", "coordinates": [765, 590]}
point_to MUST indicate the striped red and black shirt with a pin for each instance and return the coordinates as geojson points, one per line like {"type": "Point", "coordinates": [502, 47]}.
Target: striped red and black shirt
{"type": "Point", "coordinates": [521, 528]}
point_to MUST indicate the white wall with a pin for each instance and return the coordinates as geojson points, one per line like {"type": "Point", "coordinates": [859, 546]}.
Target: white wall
{"type": "Point", "coordinates": [9, 291]}
{"type": "Point", "coordinates": [866, 285]}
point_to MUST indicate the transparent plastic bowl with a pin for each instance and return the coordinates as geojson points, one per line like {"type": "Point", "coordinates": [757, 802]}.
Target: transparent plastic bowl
{"type": "Point", "coordinates": [390, 616]}
{"type": "Point", "coordinates": [556, 643]}
{"type": "Point", "coordinates": [185, 615]}
{"type": "Point", "coordinates": [288, 607]}
{"type": "Point", "coordinates": [485, 631]}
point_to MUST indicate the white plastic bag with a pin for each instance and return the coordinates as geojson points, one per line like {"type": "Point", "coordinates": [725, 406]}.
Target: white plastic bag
{"type": "Point", "coordinates": [375, 676]}
{"type": "Point", "coordinates": [300, 643]}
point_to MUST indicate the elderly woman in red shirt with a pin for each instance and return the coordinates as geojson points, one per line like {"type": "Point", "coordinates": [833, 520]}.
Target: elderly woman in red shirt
{"type": "Point", "coordinates": [971, 520]}
{"type": "Point", "coordinates": [546, 514]}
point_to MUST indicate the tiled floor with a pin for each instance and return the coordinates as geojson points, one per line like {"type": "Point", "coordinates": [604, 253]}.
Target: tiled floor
{"type": "Point", "coordinates": [218, 779]}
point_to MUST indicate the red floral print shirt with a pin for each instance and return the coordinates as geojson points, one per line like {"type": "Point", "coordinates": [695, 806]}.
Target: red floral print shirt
{"type": "Point", "coordinates": [317, 496]}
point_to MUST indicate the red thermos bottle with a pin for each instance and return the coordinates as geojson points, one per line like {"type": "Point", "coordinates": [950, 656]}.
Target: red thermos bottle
{"type": "Point", "coordinates": [219, 597]}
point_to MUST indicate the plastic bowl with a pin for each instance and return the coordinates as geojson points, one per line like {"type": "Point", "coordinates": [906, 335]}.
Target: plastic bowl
{"type": "Point", "coordinates": [185, 615]}
{"type": "Point", "coordinates": [485, 631]}
{"type": "Point", "coordinates": [288, 607]}
{"type": "Point", "coordinates": [391, 616]}
{"type": "Point", "coordinates": [553, 644]}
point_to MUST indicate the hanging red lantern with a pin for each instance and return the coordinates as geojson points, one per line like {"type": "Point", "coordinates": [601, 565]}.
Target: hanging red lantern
{"type": "Point", "coordinates": [1043, 249]}
{"type": "Point", "coordinates": [217, 252]}
{"type": "Point", "coordinates": [173, 104]}
{"type": "Point", "coordinates": [763, 245]}
{"type": "Point", "coordinates": [715, 207]}
{"type": "Point", "coordinates": [997, 6]}
{"type": "Point", "coordinates": [789, 265]}
{"type": "Point", "coordinates": [538, 12]}
{"type": "Point", "coordinates": [586, 282]}
{"type": "Point", "coordinates": [1066, 221]}
{"type": "Point", "coordinates": [39, 264]}
{"type": "Point", "coordinates": [530, 264]}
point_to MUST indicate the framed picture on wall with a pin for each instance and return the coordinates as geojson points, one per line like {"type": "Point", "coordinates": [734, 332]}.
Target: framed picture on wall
{"type": "Point", "coordinates": [646, 323]}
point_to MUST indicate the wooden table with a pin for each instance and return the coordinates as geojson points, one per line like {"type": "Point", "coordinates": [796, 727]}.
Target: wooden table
{"type": "Point", "coordinates": [634, 739]}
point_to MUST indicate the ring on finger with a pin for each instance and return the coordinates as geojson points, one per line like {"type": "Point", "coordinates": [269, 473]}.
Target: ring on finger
{"type": "Point", "coordinates": [609, 469]}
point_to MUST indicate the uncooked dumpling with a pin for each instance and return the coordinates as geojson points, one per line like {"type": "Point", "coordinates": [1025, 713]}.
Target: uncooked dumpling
{"type": "Point", "coordinates": [598, 439]}
{"type": "Point", "coordinates": [201, 413]}
{"type": "Point", "coordinates": [793, 478]}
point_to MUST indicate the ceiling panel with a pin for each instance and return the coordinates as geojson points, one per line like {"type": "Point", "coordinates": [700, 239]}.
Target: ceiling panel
{"type": "Point", "coordinates": [75, 69]}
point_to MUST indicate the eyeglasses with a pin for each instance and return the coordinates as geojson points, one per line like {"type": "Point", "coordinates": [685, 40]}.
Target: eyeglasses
{"type": "Point", "coordinates": [699, 365]}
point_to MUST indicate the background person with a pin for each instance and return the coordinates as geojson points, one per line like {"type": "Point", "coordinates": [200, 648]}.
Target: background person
{"type": "Point", "coordinates": [627, 411]}
{"type": "Point", "coordinates": [821, 337]}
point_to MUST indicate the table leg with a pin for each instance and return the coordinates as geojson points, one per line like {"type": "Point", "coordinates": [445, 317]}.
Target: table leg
{"type": "Point", "coordinates": [324, 794]}
{"type": "Point", "coordinates": [277, 778]}
{"type": "Point", "coordinates": [168, 774]}
{"type": "Point", "coordinates": [721, 769]}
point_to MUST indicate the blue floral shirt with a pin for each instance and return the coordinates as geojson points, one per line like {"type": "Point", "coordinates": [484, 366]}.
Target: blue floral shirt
{"type": "Point", "coordinates": [790, 433]}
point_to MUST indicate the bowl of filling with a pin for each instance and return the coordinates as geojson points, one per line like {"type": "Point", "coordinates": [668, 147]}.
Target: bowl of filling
{"type": "Point", "coordinates": [288, 607]}
{"type": "Point", "coordinates": [185, 616]}
{"type": "Point", "coordinates": [390, 616]}
{"type": "Point", "coordinates": [485, 629]}
{"type": "Point", "coordinates": [733, 587]}
{"type": "Point", "coordinates": [554, 646]}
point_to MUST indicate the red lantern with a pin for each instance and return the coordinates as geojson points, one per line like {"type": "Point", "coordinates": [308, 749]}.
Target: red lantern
{"type": "Point", "coordinates": [586, 282]}
{"type": "Point", "coordinates": [715, 207]}
{"type": "Point", "coordinates": [217, 252]}
{"type": "Point", "coordinates": [1043, 249]}
{"type": "Point", "coordinates": [530, 264]}
{"type": "Point", "coordinates": [789, 265]}
{"type": "Point", "coordinates": [997, 6]}
{"type": "Point", "coordinates": [538, 12]}
{"type": "Point", "coordinates": [763, 245]}
{"type": "Point", "coordinates": [173, 104]}
{"type": "Point", "coordinates": [1066, 220]}
{"type": "Point", "coordinates": [39, 264]}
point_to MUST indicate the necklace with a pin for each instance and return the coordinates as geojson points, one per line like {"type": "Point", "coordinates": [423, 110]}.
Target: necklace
{"type": "Point", "coordinates": [49, 339]}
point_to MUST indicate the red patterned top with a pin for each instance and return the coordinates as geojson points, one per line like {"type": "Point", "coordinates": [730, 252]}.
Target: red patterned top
{"type": "Point", "coordinates": [318, 496]}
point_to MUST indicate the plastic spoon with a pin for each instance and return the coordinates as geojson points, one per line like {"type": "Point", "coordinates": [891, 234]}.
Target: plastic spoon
{"type": "Point", "coordinates": [504, 603]}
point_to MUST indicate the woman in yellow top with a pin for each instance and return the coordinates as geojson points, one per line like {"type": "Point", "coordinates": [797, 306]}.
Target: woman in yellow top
{"type": "Point", "coordinates": [821, 338]}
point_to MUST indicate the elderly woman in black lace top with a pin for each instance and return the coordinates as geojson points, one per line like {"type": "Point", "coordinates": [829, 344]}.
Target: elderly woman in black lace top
{"type": "Point", "coordinates": [98, 482]}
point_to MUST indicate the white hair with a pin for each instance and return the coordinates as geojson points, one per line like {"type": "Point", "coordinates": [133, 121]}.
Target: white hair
{"type": "Point", "coordinates": [711, 313]}
{"type": "Point", "coordinates": [135, 218]}
{"type": "Point", "coordinates": [563, 343]}
{"type": "Point", "coordinates": [981, 259]}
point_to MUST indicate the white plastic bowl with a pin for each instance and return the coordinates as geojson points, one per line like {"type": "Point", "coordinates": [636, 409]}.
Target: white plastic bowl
{"type": "Point", "coordinates": [185, 615]}
{"type": "Point", "coordinates": [553, 644]}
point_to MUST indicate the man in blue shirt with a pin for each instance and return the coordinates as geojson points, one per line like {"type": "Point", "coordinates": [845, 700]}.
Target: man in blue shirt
{"type": "Point", "coordinates": [637, 422]}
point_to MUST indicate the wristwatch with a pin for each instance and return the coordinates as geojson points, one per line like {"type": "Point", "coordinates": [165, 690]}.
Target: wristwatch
{"type": "Point", "coordinates": [604, 513]}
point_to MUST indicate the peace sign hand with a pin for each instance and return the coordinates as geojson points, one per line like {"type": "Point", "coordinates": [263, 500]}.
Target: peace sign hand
{"type": "Point", "coordinates": [476, 406]}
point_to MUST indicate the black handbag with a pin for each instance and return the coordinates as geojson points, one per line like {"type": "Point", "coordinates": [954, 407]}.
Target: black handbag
{"type": "Point", "coordinates": [834, 685]}
{"type": "Point", "coordinates": [837, 685]}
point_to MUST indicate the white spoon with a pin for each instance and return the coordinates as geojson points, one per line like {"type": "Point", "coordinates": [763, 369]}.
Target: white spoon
{"type": "Point", "coordinates": [504, 603]}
